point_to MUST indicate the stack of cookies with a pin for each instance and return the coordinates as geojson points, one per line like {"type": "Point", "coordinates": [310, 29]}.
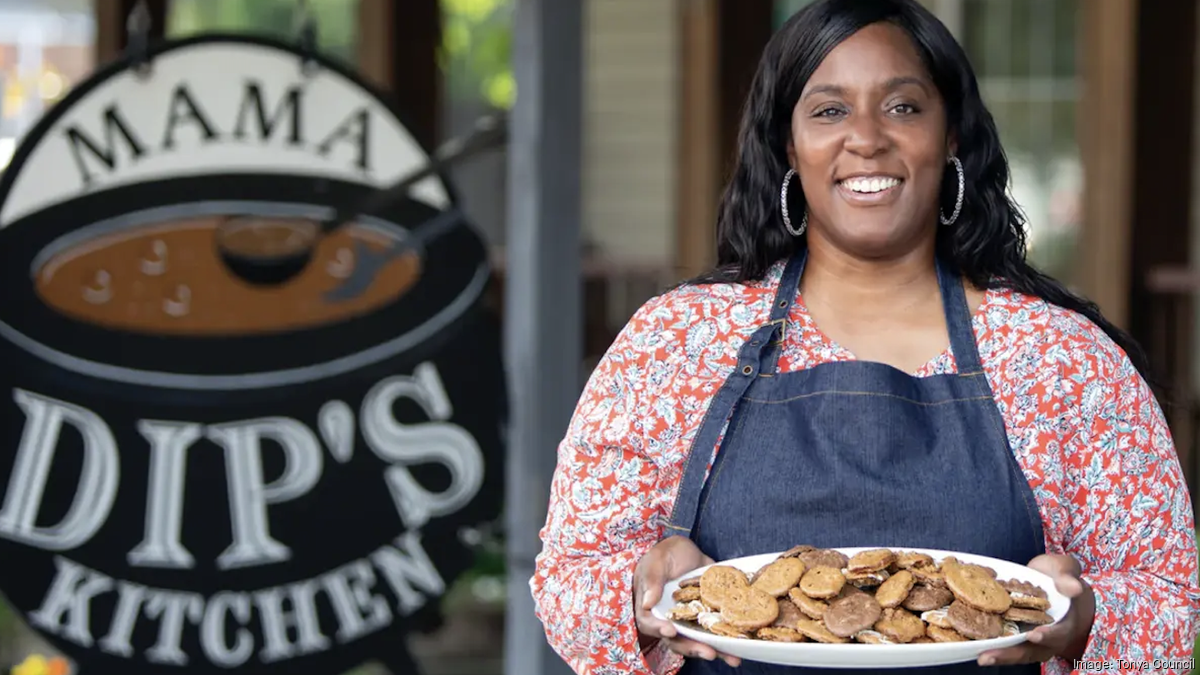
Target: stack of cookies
{"type": "Point", "coordinates": [879, 596]}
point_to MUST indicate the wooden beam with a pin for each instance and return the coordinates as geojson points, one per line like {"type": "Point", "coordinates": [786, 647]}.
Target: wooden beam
{"type": "Point", "coordinates": [1106, 139]}
{"type": "Point", "coordinates": [1162, 176]}
{"type": "Point", "coordinates": [721, 42]}
{"type": "Point", "coordinates": [376, 60]}
{"type": "Point", "coordinates": [745, 29]}
{"type": "Point", "coordinates": [416, 79]}
{"type": "Point", "coordinates": [699, 167]}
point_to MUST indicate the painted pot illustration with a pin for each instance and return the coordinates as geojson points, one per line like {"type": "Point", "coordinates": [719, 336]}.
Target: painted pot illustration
{"type": "Point", "coordinates": [201, 474]}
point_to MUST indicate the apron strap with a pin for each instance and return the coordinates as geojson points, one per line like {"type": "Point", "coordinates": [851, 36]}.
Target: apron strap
{"type": "Point", "coordinates": [759, 354]}
{"type": "Point", "coordinates": [781, 307]}
{"type": "Point", "coordinates": [958, 321]}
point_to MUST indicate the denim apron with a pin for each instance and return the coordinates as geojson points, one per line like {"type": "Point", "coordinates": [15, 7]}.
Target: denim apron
{"type": "Point", "coordinates": [855, 453]}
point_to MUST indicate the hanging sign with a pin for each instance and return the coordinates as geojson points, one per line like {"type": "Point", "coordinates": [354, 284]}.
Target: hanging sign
{"type": "Point", "coordinates": [199, 474]}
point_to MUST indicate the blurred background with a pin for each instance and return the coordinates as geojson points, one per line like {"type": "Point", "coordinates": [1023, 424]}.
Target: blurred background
{"type": "Point", "coordinates": [1095, 101]}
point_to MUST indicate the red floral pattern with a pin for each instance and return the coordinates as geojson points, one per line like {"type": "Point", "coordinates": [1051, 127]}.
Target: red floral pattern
{"type": "Point", "coordinates": [1082, 423]}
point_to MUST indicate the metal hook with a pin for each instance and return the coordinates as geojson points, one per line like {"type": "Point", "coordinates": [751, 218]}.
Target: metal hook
{"type": "Point", "coordinates": [306, 30]}
{"type": "Point", "coordinates": [137, 28]}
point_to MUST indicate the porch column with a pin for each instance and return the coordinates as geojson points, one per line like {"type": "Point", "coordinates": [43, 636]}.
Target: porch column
{"type": "Point", "coordinates": [543, 295]}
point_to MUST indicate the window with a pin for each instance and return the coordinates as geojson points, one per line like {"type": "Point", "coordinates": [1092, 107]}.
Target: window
{"type": "Point", "coordinates": [46, 47]}
{"type": "Point", "coordinates": [1024, 53]}
{"type": "Point", "coordinates": [336, 21]}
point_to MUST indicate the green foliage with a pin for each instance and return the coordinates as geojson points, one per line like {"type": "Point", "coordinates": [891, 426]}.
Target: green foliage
{"type": "Point", "coordinates": [476, 52]}
{"type": "Point", "coordinates": [336, 21]}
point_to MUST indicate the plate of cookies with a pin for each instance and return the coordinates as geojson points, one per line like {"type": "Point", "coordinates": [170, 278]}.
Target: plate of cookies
{"type": "Point", "coordinates": [861, 607]}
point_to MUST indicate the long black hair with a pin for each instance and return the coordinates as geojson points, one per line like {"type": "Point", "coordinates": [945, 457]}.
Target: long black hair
{"type": "Point", "coordinates": [987, 244]}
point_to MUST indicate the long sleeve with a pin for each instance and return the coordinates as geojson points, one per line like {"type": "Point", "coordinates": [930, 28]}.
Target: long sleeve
{"type": "Point", "coordinates": [1131, 524]}
{"type": "Point", "coordinates": [605, 511]}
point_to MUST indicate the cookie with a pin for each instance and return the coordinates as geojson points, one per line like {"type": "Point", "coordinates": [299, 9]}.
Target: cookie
{"type": "Point", "coordinates": [777, 578]}
{"type": "Point", "coordinates": [811, 607]}
{"type": "Point", "coordinates": [795, 551]}
{"type": "Point", "coordinates": [870, 561]}
{"type": "Point", "coordinates": [1033, 617]}
{"type": "Point", "coordinates": [939, 634]}
{"type": "Point", "coordinates": [951, 561]}
{"type": "Point", "coordinates": [849, 589]}
{"type": "Point", "coordinates": [688, 611]}
{"type": "Point", "coordinates": [923, 598]}
{"type": "Point", "coordinates": [936, 617]}
{"type": "Point", "coordinates": [1011, 629]}
{"type": "Point", "coordinates": [849, 614]}
{"type": "Point", "coordinates": [900, 625]}
{"type": "Point", "coordinates": [690, 582]}
{"type": "Point", "coordinates": [777, 634]}
{"type": "Point", "coordinates": [725, 630]}
{"type": "Point", "coordinates": [817, 632]}
{"type": "Point", "coordinates": [824, 557]}
{"type": "Point", "coordinates": [972, 585]}
{"type": "Point", "coordinates": [788, 614]}
{"type": "Point", "coordinates": [909, 559]}
{"type": "Point", "coordinates": [973, 623]}
{"type": "Point", "coordinates": [718, 582]}
{"type": "Point", "coordinates": [895, 590]}
{"type": "Point", "coordinates": [749, 609]}
{"type": "Point", "coordinates": [870, 637]}
{"type": "Point", "coordinates": [929, 575]}
{"type": "Point", "coordinates": [866, 579]}
{"type": "Point", "coordinates": [924, 640]}
{"type": "Point", "coordinates": [822, 582]}
{"type": "Point", "coordinates": [687, 594]}
{"type": "Point", "coordinates": [1026, 595]}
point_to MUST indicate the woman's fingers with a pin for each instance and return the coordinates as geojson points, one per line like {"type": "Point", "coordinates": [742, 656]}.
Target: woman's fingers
{"type": "Point", "coordinates": [648, 624]}
{"type": "Point", "coordinates": [698, 650]}
{"type": "Point", "coordinates": [1023, 653]}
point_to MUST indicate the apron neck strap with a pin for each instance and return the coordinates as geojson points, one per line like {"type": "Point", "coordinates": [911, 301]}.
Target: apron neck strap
{"type": "Point", "coordinates": [781, 307]}
{"type": "Point", "coordinates": [958, 321]}
{"type": "Point", "coordinates": [789, 286]}
{"type": "Point", "coordinates": [954, 304]}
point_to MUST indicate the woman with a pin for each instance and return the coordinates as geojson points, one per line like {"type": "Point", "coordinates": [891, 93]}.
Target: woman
{"type": "Point", "coordinates": [873, 363]}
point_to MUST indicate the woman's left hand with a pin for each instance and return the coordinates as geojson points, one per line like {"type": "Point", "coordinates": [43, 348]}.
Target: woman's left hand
{"type": "Point", "coordinates": [1067, 638]}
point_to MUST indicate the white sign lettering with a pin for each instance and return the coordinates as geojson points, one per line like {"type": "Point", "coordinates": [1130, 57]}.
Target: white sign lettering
{"type": "Point", "coordinates": [44, 418]}
{"type": "Point", "coordinates": [191, 118]}
{"type": "Point", "coordinates": [287, 617]}
{"type": "Point", "coordinates": [405, 444]}
{"type": "Point", "coordinates": [250, 495]}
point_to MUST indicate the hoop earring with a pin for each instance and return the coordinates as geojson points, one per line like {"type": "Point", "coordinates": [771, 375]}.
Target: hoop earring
{"type": "Point", "coordinates": [783, 207]}
{"type": "Point", "coordinates": [958, 202]}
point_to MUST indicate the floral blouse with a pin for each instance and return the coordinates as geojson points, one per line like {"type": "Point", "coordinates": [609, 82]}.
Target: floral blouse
{"type": "Point", "coordinates": [1083, 425]}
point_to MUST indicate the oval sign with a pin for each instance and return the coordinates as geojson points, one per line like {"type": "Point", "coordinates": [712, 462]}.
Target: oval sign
{"type": "Point", "coordinates": [200, 474]}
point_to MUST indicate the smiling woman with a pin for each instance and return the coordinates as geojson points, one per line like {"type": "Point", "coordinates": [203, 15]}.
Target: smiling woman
{"type": "Point", "coordinates": [871, 357]}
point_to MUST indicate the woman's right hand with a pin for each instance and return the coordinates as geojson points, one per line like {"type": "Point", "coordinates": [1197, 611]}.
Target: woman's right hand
{"type": "Point", "coordinates": [669, 559]}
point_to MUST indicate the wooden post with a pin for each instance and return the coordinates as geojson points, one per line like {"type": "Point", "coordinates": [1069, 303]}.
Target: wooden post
{"type": "Point", "coordinates": [722, 41]}
{"type": "Point", "coordinates": [376, 60]}
{"type": "Point", "coordinates": [1106, 131]}
{"type": "Point", "coordinates": [699, 172]}
{"type": "Point", "coordinates": [412, 36]}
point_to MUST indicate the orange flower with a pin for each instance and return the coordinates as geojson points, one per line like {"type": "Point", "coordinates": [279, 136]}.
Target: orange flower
{"type": "Point", "coordinates": [37, 664]}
